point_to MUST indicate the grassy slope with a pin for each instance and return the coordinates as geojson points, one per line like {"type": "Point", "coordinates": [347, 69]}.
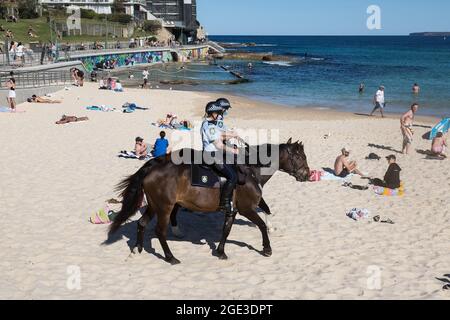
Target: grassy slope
{"type": "Point", "coordinates": [42, 29]}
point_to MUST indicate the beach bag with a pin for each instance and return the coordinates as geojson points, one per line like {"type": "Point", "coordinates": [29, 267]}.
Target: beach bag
{"type": "Point", "coordinates": [315, 175]}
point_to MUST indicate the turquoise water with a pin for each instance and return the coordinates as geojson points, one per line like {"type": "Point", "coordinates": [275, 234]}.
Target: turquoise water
{"type": "Point", "coordinates": [335, 66]}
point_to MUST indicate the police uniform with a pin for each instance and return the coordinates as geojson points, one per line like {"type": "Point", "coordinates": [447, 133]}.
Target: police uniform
{"type": "Point", "coordinates": [211, 132]}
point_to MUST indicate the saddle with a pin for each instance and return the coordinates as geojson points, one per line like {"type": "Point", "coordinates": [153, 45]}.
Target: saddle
{"type": "Point", "coordinates": [205, 176]}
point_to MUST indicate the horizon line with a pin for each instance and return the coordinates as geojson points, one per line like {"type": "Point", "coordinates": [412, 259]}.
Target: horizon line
{"type": "Point", "coordinates": [317, 35]}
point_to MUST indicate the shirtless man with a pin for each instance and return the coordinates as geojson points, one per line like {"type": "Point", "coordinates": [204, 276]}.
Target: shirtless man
{"type": "Point", "coordinates": [406, 124]}
{"type": "Point", "coordinates": [140, 148]}
{"type": "Point", "coordinates": [416, 88]}
{"type": "Point", "coordinates": [342, 167]}
{"type": "Point", "coordinates": [35, 99]}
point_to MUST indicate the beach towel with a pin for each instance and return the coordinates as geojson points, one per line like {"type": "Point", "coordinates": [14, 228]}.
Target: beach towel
{"type": "Point", "coordinates": [131, 155]}
{"type": "Point", "coordinates": [101, 108]}
{"type": "Point", "coordinates": [8, 110]}
{"type": "Point", "coordinates": [328, 176]}
{"type": "Point", "coordinates": [358, 214]}
{"type": "Point", "coordinates": [382, 191]}
{"type": "Point", "coordinates": [103, 216]}
{"type": "Point", "coordinates": [176, 127]}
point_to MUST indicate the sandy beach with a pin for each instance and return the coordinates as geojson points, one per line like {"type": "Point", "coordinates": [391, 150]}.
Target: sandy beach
{"type": "Point", "coordinates": [55, 176]}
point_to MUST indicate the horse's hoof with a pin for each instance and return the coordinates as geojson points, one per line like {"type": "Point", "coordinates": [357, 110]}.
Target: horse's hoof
{"type": "Point", "coordinates": [223, 256]}
{"type": "Point", "coordinates": [267, 252]}
{"type": "Point", "coordinates": [173, 261]}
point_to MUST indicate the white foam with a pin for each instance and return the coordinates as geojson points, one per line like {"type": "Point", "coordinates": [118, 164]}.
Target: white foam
{"type": "Point", "coordinates": [279, 63]}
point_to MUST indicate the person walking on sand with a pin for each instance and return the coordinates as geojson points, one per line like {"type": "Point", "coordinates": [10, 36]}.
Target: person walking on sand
{"type": "Point", "coordinates": [379, 101]}
{"type": "Point", "coordinates": [439, 145]}
{"type": "Point", "coordinates": [145, 74]}
{"type": "Point", "coordinates": [406, 124]}
{"type": "Point", "coordinates": [416, 89]}
{"type": "Point", "coordinates": [343, 167]}
{"type": "Point", "coordinates": [11, 99]}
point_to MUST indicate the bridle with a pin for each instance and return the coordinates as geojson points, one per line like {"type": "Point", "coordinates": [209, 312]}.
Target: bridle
{"type": "Point", "coordinates": [291, 159]}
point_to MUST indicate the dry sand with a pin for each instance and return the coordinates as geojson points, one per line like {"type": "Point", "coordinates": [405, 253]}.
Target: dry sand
{"type": "Point", "coordinates": [54, 177]}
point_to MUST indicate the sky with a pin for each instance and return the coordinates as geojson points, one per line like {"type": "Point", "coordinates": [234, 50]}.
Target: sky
{"type": "Point", "coordinates": [321, 17]}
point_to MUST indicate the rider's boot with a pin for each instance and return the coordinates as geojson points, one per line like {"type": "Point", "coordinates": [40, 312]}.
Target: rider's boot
{"type": "Point", "coordinates": [225, 198]}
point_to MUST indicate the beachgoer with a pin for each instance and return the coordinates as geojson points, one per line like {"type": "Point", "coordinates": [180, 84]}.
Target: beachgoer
{"type": "Point", "coordinates": [416, 88]}
{"type": "Point", "coordinates": [35, 99]}
{"type": "Point", "coordinates": [66, 119]}
{"type": "Point", "coordinates": [145, 74]}
{"type": "Point", "coordinates": [11, 85]}
{"type": "Point", "coordinates": [140, 148]}
{"type": "Point", "coordinates": [161, 145]}
{"type": "Point", "coordinates": [343, 167]}
{"type": "Point", "coordinates": [77, 76]}
{"type": "Point", "coordinates": [214, 149]}
{"type": "Point", "coordinates": [379, 101]}
{"type": "Point", "coordinates": [406, 124]}
{"type": "Point", "coordinates": [439, 145]}
{"type": "Point", "coordinates": [118, 87]}
{"type": "Point", "coordinates": [362, 87]}
{"type": "Point", "coordinates": [20, 52]}
{"type": "Point", "coordinates": [392, 177]}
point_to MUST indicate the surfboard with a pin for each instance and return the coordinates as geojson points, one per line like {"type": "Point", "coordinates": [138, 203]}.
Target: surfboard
{"type": "Point", "coordinates": [442, 126]}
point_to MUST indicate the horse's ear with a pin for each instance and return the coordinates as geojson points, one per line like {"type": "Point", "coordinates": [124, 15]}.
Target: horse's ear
{"type": "Point", "coordinates": [296, 142]}
{"type": "Point", "coordinates": [301, 144]}
{"type": "Point", "coordinates": [289, 141]}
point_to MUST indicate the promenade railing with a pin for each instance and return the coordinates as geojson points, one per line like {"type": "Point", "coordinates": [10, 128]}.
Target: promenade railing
{"type": "Point", "coordinates": [37, 79]}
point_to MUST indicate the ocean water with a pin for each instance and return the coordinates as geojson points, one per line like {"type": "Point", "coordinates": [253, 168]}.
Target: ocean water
{"type": "Point", "coordinates": [334, 67]}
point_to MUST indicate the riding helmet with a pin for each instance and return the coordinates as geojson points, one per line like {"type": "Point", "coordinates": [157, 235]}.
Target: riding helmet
{"type": "Point", "coordinates": [224, 103]}
{"type": "Point", "coordinates": [212, 107]}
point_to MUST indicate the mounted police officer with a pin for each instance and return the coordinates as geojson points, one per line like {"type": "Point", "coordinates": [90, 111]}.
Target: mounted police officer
{"type": "Point", "coordinates": [223, 157]}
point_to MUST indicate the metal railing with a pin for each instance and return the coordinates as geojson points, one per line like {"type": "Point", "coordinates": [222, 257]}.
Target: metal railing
{"type": "Point", "coordinates": [38, 79]}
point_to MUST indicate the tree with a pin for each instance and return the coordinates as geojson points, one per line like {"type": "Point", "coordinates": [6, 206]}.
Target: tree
{"type": "Point", "coordinates": [118, 7]}
{"type": "Point", "coordinates": [27, 9]}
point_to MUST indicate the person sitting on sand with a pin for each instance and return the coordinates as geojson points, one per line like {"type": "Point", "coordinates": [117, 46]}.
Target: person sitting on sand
{"type": "Point", "coordinates": [342, 167]}
{"type": "Point", "coordinates": [66, 119]}
{"type": "Point", "coordinates": [140, 148]}
{"type": "Point", "coordinates": [161, 145]}
{"type": "Point", "coordinates": [392, 177]}
{"type": "Point", "coordinates": [439, 145]}
{"type": "Point", "coordinates": [35, 99]}
{"type": "Point", "coordinates": [406, 124]}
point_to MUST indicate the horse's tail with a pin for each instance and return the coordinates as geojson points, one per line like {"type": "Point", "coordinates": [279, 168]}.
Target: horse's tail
{"type": "Point", "coordinates": [132, 193]}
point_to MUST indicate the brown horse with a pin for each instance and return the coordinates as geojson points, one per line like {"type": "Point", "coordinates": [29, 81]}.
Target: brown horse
{"type": "Point", "coordinates": [167, 187]}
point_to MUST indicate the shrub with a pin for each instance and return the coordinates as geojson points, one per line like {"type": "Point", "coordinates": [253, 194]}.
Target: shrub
{"type": "Point", "coordinates": [121, 18]}
{"type": "Point", "coordinates": [152, 26]}
{"type": "Point", "coordinates": [88, 14]}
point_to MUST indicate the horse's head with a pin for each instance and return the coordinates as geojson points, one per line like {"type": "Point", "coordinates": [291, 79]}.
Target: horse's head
{"type": "Point", "coordinates": [293, 160]}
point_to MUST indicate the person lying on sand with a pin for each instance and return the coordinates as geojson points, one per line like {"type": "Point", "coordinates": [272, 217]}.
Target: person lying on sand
{"type": "Point", "coordinates": [140, 148]}
{"type": "Point", "coordinates": [439, 145]}
{"type": "Point", "coordinates": [342, 167]}
{"type": "Point", "coordinates": [35, 99]}
{"type": "Point", "coordinates": [392, 177]}
{"type": "Point", "coordinates": [169, 121]}
{"type": "Point", "coordinates": [66, 119]}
